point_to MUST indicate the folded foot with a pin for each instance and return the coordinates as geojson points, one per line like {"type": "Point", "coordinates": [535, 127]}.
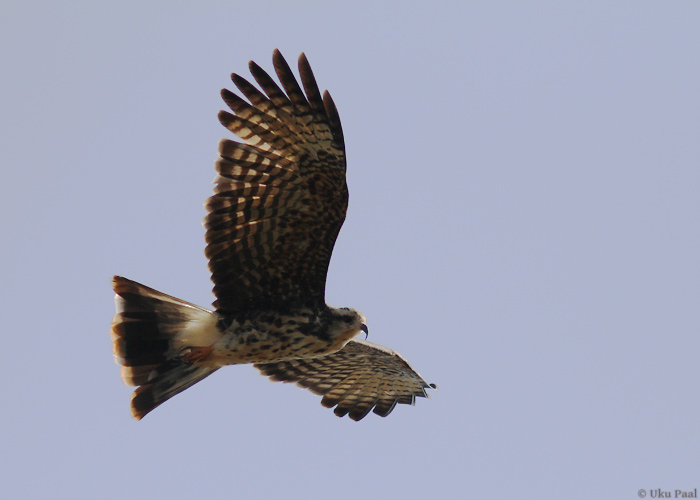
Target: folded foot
{"type": "Point", "coordinates": [194, 354]}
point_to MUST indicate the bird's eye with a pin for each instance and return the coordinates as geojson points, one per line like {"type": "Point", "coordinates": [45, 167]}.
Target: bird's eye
{"type": "Point", "coordinates": [348, 320]}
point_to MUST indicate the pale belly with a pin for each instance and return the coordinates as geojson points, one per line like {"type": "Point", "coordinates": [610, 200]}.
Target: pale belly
{"type": "Point", "coordinates": [257, 346]}
{"type": "Point", "coordinates": [262, 340]}
{"type": "Point", "coordinates": [254, 342]}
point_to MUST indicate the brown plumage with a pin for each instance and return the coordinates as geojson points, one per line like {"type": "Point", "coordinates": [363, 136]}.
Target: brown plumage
{"type": "Point", "coordinates": [358, 378]}
{"type": "Point", "coordinates": [280, 198]}
{"type": "Point", "coordinates": [278, 205]}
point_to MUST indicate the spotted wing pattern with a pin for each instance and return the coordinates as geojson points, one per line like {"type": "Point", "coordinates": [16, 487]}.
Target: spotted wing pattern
{"type": "Point", "coordinates": [360, 377]}
{"type": "Point", "coordinates": [280, 198]}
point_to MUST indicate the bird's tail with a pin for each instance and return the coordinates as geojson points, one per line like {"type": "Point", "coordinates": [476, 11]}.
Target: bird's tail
{"type": "Point", "coordinates": [150, 333]}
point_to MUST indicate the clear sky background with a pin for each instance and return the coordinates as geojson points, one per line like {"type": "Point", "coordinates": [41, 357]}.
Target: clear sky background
{"type": "Point", "coordinates": [523, 228]}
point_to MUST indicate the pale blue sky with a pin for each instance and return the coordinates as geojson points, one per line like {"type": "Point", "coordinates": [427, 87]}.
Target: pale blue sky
{"type": "Point", "coordinates": [523, 228]}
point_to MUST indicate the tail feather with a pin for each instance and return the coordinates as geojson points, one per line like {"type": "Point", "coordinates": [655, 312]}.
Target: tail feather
{"type": "Point", "coordinates": [148, 332]}
{"type": "Point", "coordinates": [172, 381]}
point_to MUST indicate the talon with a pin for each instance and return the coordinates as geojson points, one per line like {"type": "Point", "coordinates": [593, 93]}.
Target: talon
{"type": "Point", "coordinates": [194, 354]}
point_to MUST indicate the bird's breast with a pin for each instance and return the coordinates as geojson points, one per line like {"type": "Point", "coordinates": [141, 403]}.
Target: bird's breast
{"type": "Point", "coordinates": [272, 338]}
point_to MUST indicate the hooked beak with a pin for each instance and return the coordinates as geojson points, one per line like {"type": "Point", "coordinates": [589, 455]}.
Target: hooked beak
{"type": "Point", "coordinates": [364, 328]}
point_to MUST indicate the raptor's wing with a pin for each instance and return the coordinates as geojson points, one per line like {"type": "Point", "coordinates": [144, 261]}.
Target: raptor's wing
{"type": "Point", "coordinates": [281, 197]}
{"type": "Point", "coordinates": [358, 378]}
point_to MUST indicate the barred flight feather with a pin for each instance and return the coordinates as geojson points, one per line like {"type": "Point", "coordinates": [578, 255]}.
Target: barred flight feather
{"type": "Point", "coordinates": [359, 378]}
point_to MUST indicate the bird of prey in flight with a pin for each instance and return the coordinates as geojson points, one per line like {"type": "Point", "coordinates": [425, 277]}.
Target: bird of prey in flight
{"type": "Point", "coordinates": [278, 205]}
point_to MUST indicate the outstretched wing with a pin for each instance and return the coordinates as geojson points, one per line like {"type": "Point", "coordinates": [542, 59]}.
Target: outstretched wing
{"type": "Point", "coordinates": [280, 198]}
{"type": "Point", "coordinates": [359, 377]}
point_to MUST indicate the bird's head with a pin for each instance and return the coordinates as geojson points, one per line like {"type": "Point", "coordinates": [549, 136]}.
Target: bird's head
{"type": "Point", "coordinates": [345, 324]}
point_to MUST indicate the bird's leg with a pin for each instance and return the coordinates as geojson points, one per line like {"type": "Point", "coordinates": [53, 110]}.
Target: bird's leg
{"type": "Point", "coordinates": [195, 353]}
